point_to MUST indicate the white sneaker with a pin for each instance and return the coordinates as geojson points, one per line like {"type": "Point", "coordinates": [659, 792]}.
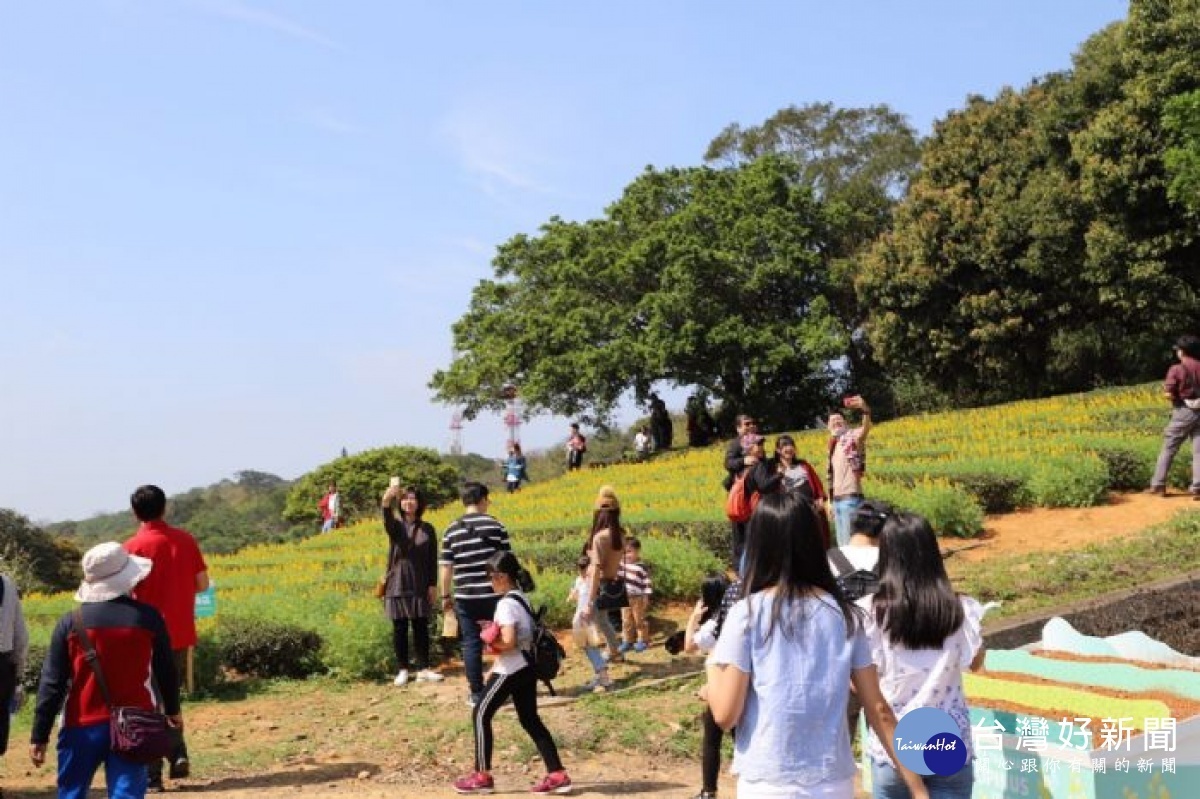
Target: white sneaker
{"type": "Point", "coordinates": [401, 678]}
{"type": "Point", "coordinates": [429, 675]}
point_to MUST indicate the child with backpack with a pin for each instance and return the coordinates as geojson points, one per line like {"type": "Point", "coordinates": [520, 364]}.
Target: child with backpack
{"type": "Point", "coordinates": [515, 674]}
{"type": "Point", "coordinates": [854, 568]}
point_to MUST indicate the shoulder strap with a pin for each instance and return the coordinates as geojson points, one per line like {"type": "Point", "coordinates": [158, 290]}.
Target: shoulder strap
{"type": "Point", "coordinates": [89, 654]}
{"type": "Point", "coordinates": [844, 566]}
{"type": "Point", "coordinates": [525, 604]}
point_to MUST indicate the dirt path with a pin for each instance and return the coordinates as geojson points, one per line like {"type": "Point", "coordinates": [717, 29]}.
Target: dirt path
{"type": "Point", "coordinates": [362, 739]}
{"type": "Point", "coordinates": [1059, 529]}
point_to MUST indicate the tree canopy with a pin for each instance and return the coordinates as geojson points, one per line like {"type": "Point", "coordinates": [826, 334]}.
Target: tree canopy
{"type": "Point", "coordinates": [36, 560]}
{"type": "Point", "coordinates": [1037, 251]}
{"type": "Point", "coordinates": [695, 276]}
{"type": "Point", "coordinates": [362, 478]}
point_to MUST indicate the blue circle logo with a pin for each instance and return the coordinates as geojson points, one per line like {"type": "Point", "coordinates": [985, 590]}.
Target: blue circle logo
{"type": "Point", "coordinates": [929, 741]}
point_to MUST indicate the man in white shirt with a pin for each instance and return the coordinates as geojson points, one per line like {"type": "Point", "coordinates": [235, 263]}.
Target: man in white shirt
{"type": "Point", "coordinates": [641, 443]}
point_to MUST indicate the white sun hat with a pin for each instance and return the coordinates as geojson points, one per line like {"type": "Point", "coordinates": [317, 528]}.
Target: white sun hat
{"type": "Point", "coordinates": [109, 572]}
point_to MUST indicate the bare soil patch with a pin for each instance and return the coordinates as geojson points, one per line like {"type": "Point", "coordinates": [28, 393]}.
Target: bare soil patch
{"type": "Point", "coordinates": [1064, 529]}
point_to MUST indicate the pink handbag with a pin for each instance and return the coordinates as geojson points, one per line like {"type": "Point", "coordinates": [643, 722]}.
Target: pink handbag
{"type": "Point", "coordinates": [488, 634]}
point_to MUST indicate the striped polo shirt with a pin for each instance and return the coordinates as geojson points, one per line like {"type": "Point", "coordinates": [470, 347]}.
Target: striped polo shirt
{"type": "Point", "coordinates": [467, 545]}
{"type": "Point", "coordinates": [637, 578]}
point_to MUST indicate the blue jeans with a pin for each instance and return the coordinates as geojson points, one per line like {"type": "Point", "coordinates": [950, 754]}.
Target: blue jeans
{"type": "Point", "coordinates": [81, 750]}
{"type": "Point", "coordinates": [470, 612]}
{"type": "Point", "coordinates": [887, 784]}
{"type": "Point", "coordinates": [843, 516]}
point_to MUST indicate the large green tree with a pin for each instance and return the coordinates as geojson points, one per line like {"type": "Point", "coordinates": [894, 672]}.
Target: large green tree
{"type": "Point", "coordinates": [1037, 250]}
{"type": "Point", "coordinates": [1181, 119]}
{"type": "Point", "coordinates": [858, 163]}
{"type": "Point", "coordinates": [696, 276]}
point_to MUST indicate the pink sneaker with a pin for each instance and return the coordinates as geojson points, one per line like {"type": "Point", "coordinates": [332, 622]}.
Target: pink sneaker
{"type": "Point", "coordinates": [554, 782]}
{"type": "Point", "coordinates": [476, 782]}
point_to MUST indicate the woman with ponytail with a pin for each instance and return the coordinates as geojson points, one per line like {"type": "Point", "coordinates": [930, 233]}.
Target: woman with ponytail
{"type": "Point", "coordinates": [512, 676]}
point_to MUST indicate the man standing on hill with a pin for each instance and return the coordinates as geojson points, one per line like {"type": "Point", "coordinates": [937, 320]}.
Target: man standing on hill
{"type": "Point", "coordinates": [1182, 388]}
{"type": "Point", "coordinates": [576, 446]}
{"type": "Point", "coordinates": [466, 546]}
{"type": "Point", "coordinates": [179, 573]}
{"type": "Point", "coordinates": [737, 460]}
{"type": "Point", "coordinates": [330, 506]}
{"type": "Point", "coordinates": [847, 464]}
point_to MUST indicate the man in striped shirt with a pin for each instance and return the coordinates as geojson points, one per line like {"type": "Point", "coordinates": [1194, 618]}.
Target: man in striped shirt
{"type": "Point", "coordinates": [466, 546]}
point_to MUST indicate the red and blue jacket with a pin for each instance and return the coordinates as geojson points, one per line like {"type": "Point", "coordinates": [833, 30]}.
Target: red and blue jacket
{"type": "Point", "coordinates": [134, 651]}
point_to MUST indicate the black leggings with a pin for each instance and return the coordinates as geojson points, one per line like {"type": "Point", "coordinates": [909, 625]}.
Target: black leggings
{"type": "Point", "coordinates": [522, 687]}
{"type": "Point", "coordinates": [710, 752]}
{"type": "Point", "coordinates": [420, 638]}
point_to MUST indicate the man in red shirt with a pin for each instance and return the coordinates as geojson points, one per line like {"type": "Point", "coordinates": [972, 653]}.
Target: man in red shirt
{"type": "Point", "coordinates": [179, 574]}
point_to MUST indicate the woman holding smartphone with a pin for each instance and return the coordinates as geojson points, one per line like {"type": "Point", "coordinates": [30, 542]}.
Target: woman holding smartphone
{"type": "Point", "coordinates": [411, 582]}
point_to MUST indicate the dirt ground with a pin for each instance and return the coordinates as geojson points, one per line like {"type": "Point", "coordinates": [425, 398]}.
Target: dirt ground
{"type": "Point", "coordinates": [1060, 529]}
{"type": "Point", "coordinates": [358, 740]}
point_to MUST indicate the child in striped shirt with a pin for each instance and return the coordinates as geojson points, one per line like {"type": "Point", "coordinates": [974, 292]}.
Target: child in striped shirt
{"type": "Point", "coordinates": [634, 628]}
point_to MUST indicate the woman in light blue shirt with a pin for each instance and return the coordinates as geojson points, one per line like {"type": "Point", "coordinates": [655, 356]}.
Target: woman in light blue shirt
{"type": "Point", "coordinates": [782, 668]}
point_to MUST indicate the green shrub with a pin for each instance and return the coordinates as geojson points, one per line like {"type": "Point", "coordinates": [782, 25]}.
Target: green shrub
{"type": "Point", "coordinates": [33, 669]}
{"type": "Point", "coordinates": [1127, 469]}
{"type": "Point", "coordinates": [261, 648]}
{"type": "Point", "coordinates": [997, 493]}
{"type": "Point", "coordinates": [207, 673]}
{"type": "Point", "coordinates": [1073, 481]}
{"type": "Point", "coordinates": [950, 510]}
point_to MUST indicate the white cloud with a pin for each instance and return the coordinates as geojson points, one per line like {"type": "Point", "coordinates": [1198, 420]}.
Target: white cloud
{"type": "Point", "coordinates": [325, 120]}
{"type": "Point", "coordinates": [498, 153]}
{"type": "Point", "coordinates": [240, 12]}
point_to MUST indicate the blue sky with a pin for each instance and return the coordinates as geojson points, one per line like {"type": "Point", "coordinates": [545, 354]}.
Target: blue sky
{"type": "Point", "coordinates": [234, 233]}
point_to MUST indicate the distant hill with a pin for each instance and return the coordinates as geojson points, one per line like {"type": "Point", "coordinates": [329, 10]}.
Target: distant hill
{"type": "Point", "coordinates": [224, 517]}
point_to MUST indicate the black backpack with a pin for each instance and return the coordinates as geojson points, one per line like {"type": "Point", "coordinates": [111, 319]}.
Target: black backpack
{"type": "Point", "coordinates": [855, 583]}
{"type": "Point", "coordinates": [545, 653]}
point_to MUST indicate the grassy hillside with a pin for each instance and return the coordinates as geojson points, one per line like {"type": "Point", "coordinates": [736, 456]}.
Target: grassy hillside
{"type": "Point", "coordinates": [1061, 451]}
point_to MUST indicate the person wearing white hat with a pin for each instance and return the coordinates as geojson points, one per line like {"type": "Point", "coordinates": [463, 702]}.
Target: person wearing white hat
{"type": "Point", "coordinates": [131, 642]}
{"type": "Point", "coordinates": [14, 648]}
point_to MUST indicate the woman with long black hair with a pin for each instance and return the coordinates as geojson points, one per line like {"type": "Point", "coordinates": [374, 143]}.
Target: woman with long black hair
{"type": "Point", "coordinates": [512, 676]}
{"type": "Point", "coordinates": [783, 665]}
{"type": "Point", "coordinates": [922, 636]}
{"type": "Point", "coordinates": [411, 581]}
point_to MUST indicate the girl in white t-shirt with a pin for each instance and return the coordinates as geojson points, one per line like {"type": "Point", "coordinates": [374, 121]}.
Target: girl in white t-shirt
{"type": "Point", "coordinates": [922, 635]}
{"type": "Point", "coordinates": [512, 676]}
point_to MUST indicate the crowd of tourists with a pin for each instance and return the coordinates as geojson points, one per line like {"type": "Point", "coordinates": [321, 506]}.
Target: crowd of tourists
{"type": "Point", "coordinates": [836, 608]}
